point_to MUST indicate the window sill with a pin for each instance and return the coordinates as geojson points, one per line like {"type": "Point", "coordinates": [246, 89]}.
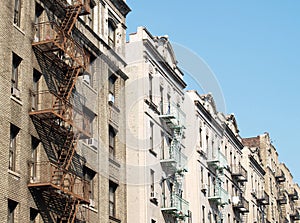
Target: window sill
{"type": "Point", "coordinates": [153, 152]}
{"type": "Point", "coordinates": [89, 86]}
{"type": "Point", "coordinates": [16, 175]}
{"type": "Point", "coordinates": [19, 29]}
{"type": "Point", "coordinates": [90, 208]}
{"type": "Point", "coordinates": [16, 100]}
{"type": "Point", "coordinates": [114, 219]}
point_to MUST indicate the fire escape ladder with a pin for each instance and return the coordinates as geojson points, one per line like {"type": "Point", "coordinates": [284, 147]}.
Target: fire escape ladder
{"type": "Point", "coordinates": [68, 150]}
{"type": "Point", "coordinates": [70, 18]}
{"type": "Point", "coordinates": [68, 83]}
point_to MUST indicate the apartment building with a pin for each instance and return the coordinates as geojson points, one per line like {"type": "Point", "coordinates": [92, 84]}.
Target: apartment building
{"type": "Point", "coordinates": [215, 182]}
{"type": "Point", "coordinates": [278, 181]}
{"type": "Point", "coordinates": [62, 111]}
{"type": "Point", "coordinates": [155, 131]}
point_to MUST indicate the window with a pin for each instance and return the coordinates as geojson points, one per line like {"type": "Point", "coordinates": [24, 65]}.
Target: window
{"type": "Point", "coordinates": [153, 221]}
{"type": "Point", "coordinates": [11, 211]}
{"type": "Point", "coordinates": [35, 88]}
{"type": "Point", "coordinates": [200, 137]}
{"type": "Point", "coordinates": [228, 218]}
{"type": "Point", "coordinates": [17, 12]}
{"type": "Point", "coordinates": [152, 183]}
{"type": "Point", "coordinates": [12, 147]}
{"type": "Point", "coordinates": [150, 87]}
{"type": "Point", "coordinates": [151, 136]}
{"type": "Point", "coordinates": [89, 175]}
{"type": "Point", "coordinates": [112, 141]}
{"type": "Point", "coordinates": [201, 175]}
{"type": "Point", "coordinates": [162, 147]}
{"type": "Point", "coordinates": [111, 33]}
{"type": "Point", "coordinates": [38, 13]}
{"type": "Point", "coordinates": [34, 146]}
{"type": "Point", "coordinates": [89, 19]}
{"type": "Point", "coordinates": [112, 199]}
{"type": "Point", "coordinates": [111, 87]}
{"type": "Point", "coordinates": [33, 215]}
{"type": "Point", "coordinates": [203, 214]}
{"type": "Point", "coordinates": [209, 217]}
{"type": "Point", "coordinates": [161, 100]}
{"type": "Point", "coordinates": [15, 72]}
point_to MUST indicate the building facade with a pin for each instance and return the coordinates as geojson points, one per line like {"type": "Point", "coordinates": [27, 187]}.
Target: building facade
{"type": "Point", "coordinates": [216, 178]}
{"type": "Point", "coordinates": [278, 182]}
{"type": "Point", "coordinates": [155, 131]}
{"type": "Point", "coordinates": [62, 111]}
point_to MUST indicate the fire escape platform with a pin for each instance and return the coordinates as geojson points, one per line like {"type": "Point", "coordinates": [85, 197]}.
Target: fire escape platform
{"type": "Point", "coordinates": [55, 188]}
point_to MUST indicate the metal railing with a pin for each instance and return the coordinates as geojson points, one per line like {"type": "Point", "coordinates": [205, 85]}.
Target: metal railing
{"type": "Point", "coordinates": [239, 172]}
{"type": "Point", "coordinates": [263, 198]}
{"type": "Point", "coordinates": [51, 33]}
{"type": "Point", "coordinates": [173, 113]}
{"type": "Point", "coordinates": [45, 102]}
{"type": "Point", "coordinates": [178, 205]}
{"type": "Point", "coordinates": [218, 194]}
{"type": "Point", "coordinates": [48, 173]}
{"type": "Point", "coordinates": [217, 160]}
{"type": "Point", "coordinates": [242, 204]}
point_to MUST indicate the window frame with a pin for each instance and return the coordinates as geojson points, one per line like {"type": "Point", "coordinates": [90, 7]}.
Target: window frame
{"type": "Point", "coordinates": [14, 131]}
{"type": "Point", "coordinates": [16, 61]}
{"type": "Point", "coordinates": [17, 12]}
{"type": "Point", "coordinates": [112, 199]}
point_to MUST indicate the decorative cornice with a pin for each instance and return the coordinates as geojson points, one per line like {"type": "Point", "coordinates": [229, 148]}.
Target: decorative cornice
{"type": "Point", "coordinates": [121, 6]}
{"type": "Point", "coordinates": [257, 165]}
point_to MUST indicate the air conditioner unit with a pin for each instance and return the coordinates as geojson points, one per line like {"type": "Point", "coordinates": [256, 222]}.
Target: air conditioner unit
{"type": "Point", "coordinates": [15, 92]}
{"type": "Point", "coordinates": [204, 187]}
{"type": "Point", "coordinates": [92, 203]}
{"type": "Point", "coordinates": [92, 142]}
{"type": "Point", "coordinates": [86, 78]}
{"type": "Point", "coordinates": [111, 98]}
{"type": "Point", "coordinates": [235, 200]}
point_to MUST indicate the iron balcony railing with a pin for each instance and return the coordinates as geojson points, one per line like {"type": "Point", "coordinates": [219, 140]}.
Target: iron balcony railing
{"type": "Point", "coordinates": [217, 160]}
{"type": "Point", "coordinates": [173, 115]}
{"type": "Point", "coordinates": [295, 215]}
{"type": "Point", "coordinates": [218, 194]}
{"type": "Point", "coordinates": [48, 174]}
{"type": "Point", "coordinates": [281, 198]}
{"type": "Point", "coordinates": [241, 204]}
{"type": "Point", "coordinates": [49, 35]}
{"type": "Point", "coordinates": [239, 172]}
{"type": "Point", "coordinates": [175, 161]}
{"type": "Point", "coordinates": [293, 194]}
{"type": "Point", "coordinates": [263, 198]}
{"type": "Point", "coordinates": [71, 112]}
{"type": "Point", "coordinates": [279, 175]}
{"type": "Point", "coordinates": [177, 206]}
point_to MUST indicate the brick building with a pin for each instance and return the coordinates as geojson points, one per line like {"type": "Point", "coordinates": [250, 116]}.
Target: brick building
{"type": "Point", "coordinates": [62, 111]}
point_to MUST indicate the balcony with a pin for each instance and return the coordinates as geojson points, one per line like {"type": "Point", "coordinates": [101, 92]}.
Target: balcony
{"type": "Point", "coordinates": [239, 173]}
{"type": "Point", "coordinates": [177, 206]}
{"type": "Point", "coordinates": [293, 194]}
{"type": "Point", "coordinates": [281, 199]}
{"type": "Point", "coordinates": [218, 195]}
{"type": "Point", "coordinates": [51, 39]}
{"type": "Point", "coordinates": [240, 204]}
{"type": "Point", "coordinates": [263, 198]}
{"type": "Point", "coordinates": [280, 177]}
{"type": "Point", "coordinates": [295, 216]}
{"type": "Point", "coordinates": [173, 116]}
{"type": "Point", "coordinates": [49, 175]}
{"type": "Point", "coordinates": [217, 161]}
{"type": "Point", "coordinates": [176, 160]}
{"type": "Point", "coordinates": [67, 113]}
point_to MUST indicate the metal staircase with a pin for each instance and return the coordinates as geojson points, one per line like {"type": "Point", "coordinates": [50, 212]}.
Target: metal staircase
{"type": "Point", "coordinates": [60, 188]}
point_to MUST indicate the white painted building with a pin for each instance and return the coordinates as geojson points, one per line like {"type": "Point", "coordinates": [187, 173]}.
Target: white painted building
{"type": "Point", "coordinates": [155, 131]}
{"type": "Point", "coordinates": [216, 178]}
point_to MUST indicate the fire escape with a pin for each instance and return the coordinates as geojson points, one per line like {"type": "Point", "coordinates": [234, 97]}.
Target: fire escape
{"type": "Point", "coordinates": [59, 189]}
{"type": "Point", "coordinates": [173, 164]}
{"type": "Point", "coordinates": [281, 196]}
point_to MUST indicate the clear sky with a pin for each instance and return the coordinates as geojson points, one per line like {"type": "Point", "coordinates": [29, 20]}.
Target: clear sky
{"type": "Point", "coordinates": [253, 48]}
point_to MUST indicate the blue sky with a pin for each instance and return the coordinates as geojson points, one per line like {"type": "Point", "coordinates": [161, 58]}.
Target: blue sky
{"type": "Point", "coordinates": [253, 48]}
